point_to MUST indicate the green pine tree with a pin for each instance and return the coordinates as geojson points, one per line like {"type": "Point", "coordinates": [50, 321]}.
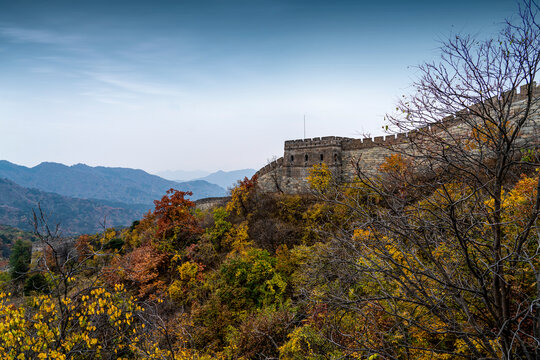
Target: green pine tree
{"type": "Point", "coordinates": [19, 260]}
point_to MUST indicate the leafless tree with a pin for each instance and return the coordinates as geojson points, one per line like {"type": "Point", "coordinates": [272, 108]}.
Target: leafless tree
{"type": "Point", "coordinates": [275, 173]}
{"type": "Point", "coordinates": [73, 270]}
{"type": "Point", "coordinates": [473, 127]}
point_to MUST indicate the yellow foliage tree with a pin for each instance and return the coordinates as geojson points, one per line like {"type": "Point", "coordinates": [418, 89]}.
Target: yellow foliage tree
{"type": "Point", "coordinates": [320, 177]}
{"type": "Point", "coordinates": [97, 323]}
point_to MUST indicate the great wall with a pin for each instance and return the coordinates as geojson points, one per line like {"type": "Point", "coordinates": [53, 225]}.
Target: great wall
{"type": "Point", "coordinates": [344, 156]}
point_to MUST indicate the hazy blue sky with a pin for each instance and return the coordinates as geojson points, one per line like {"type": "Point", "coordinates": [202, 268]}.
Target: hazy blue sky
{"type": "Point", "coordinates": [209, 84]}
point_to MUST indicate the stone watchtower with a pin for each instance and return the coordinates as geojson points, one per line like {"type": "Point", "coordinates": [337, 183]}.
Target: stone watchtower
{"type": "Point", "coordinates": [341, 154]}
{"type": "Point", "coordinates": [345, 156]}
{"type": "Point", "coordinates": [289, 173]}
{"type": "Point", "coordinates": [301, 155]}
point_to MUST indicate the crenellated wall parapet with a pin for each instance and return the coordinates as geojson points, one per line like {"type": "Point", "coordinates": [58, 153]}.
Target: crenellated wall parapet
{"type": "Point", "coordinates": [270, 167]}
{"type": "Point", "coordinates": [314, 142]}
{"type": "Point", "coordinates": [343, 155]}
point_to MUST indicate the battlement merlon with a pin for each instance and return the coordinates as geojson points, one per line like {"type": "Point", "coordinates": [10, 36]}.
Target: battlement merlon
{"type": "Point", "coordinates": [343, 154]}
{"type": "Point", "coordinates": [519, 94]}
{"type": "Point", "coordinates": [315, 142]}
{"type": "Point", "coordinates": [270, 167]}
{"type": "Point", "coordinates": [523, 91]}
{"type": "Point", "coordinates": [344, 142]}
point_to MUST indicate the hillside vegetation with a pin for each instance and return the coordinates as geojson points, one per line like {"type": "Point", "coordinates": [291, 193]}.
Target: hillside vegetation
{"type": "Point", "coordinates": [75, 216]}
{"type": "Point", "coordinates": [435, 255]}
{"type": "Point", "coordinates": [268, 276]}
{"type": "Point", "coordinates": [8, 236]}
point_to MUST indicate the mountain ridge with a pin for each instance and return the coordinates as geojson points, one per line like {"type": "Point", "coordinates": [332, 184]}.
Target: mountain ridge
{"type": "Point", "coordinates": [75, 216]}
{"type": "Point", "coordinates": [125, 185]}
{"type": "Point", "coordinates": [227, 179]}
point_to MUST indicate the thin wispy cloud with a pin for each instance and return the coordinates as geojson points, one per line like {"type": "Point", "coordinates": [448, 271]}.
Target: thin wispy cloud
{"type": "Point", "coordinates": [136, 86]}
{"type": "Point", "coordinates": [39, 36]}
{"type": "Point", "coordinates": [233, 76]}
{"type": "Point", "coordinates": [42, 70]}
{"type": "Point", "coordinates": [111, 96]}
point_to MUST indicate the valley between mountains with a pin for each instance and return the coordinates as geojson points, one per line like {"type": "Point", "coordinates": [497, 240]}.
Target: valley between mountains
{"type": "Point", "coordinates": [83, 199]}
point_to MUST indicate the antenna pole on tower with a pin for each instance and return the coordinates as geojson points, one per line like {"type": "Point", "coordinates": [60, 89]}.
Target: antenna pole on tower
{"type": "Point", "coordinates": [304, 126]}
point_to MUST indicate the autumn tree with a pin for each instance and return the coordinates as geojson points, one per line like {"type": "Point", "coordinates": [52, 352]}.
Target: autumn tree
{"type": "Point", "coordinates": [243, 196]}
{"type": "Point", "coordinates": [176, 225]}
{"type": "Point", "coordinates": [445, 261]}
{"type": "Point", "coordinates": [70, 312]}
{"type": "Point", "coordinates": [160, 237]}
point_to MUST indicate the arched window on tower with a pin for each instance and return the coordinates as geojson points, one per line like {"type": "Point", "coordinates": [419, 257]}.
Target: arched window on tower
{"type": "Point", "coordinates": [335, 158]}
{"type": "Point", "coordinates": [306, 157]}
{"type": "Point", "coordinates": [322, 157]}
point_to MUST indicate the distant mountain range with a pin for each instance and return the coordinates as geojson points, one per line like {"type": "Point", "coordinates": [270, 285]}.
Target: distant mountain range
{"type": "Point", "coordinates": [227, 179]}
{"type": "Point", "coordinates": [81, 197]}
{"type": "Point", "coordinates": [182, 175]}
{"type": "Point", "coordinates": [113, 184]}
{"type": "Point", "coordinates": [75, 216]}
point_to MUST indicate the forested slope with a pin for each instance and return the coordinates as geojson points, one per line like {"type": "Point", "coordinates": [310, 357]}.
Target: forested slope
{"type": "Point", "coordinates": [75, 216]}
{"type": "Point", "coordinates": [284, 276]}
{"type": "Point", "coordinates": [436, 255]}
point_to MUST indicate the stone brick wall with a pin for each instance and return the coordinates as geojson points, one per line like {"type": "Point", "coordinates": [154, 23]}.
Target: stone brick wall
{"type": "Point", "coordinates": [212, 202]}
{"type": "Point", "coordinates": [343, 155]}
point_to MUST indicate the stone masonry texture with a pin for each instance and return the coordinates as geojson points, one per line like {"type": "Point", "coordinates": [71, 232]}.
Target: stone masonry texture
{"type": "Point", "coordinates": [344, 156]}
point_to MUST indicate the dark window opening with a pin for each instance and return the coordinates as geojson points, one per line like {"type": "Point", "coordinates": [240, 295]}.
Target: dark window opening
{"type": "Point", "coordinates": [306, 157]}
{"type": "Point", "coordinates": [322, 157]}
{"type": "Point", "coordinates": [335, 158]}
{"type": "Point", "coordinates": [292, 158]}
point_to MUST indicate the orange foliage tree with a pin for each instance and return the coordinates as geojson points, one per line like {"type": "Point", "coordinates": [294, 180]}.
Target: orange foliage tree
{"type": "Point", "coordinates": [157, 239]}
{"type": "Point", "coordinates": [176, 225]}
{"type": "Point", "coordinates": [144, 269]}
